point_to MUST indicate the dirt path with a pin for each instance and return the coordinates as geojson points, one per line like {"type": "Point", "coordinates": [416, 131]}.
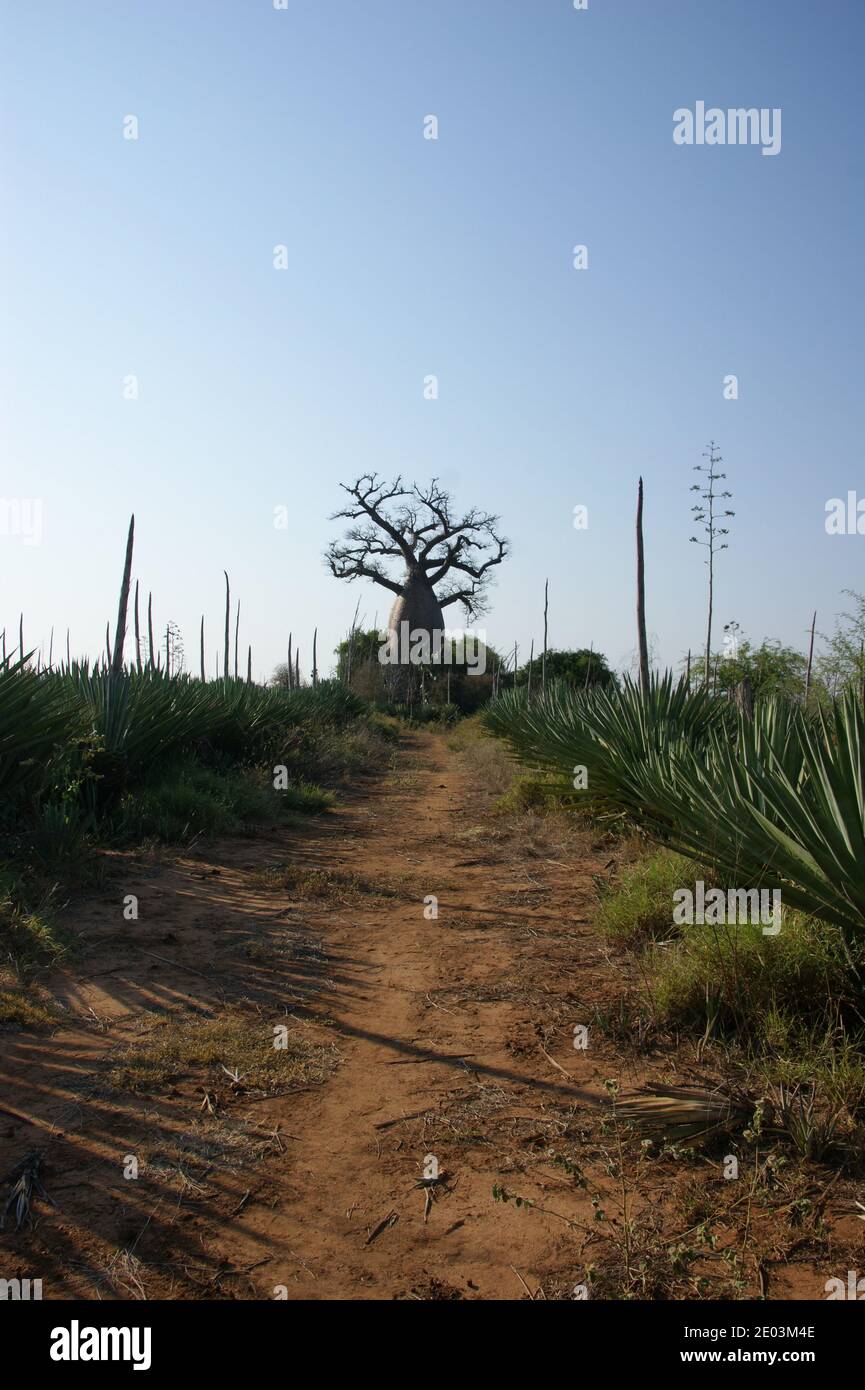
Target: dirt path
{"type": "Point", "coordinates": [424, 1044]}
{"type": "Point", "coordinates": [436, 1044]}
{"type": "Point", "coordinates": [435, 1022]}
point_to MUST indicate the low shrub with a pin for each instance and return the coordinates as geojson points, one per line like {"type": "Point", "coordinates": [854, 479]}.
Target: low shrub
{"type": "Point", "coordinates": [733, 979]}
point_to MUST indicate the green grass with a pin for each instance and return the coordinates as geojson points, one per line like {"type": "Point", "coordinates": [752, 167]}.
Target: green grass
{"type": "Point", "coordinates": [306, 799]}
{"type": "Point", "coordinates": [536, 792]}
{"type": "Point", "coordinates": [638, 906]}
{"type": "Point", "coordinates": [193, 800]}
{"type": "Point", "coordinates": [466, 733]}
{"type": "Point", "coordinates": [729, 979]}
{"type": "Point", "coordinates": [30, 943]}
{"type": "Point", "coordinates": [733, 980]}
{"type": "Point", "coordinates": [781, 1010]}
{"type": "Point", "coordinates": [30, 939]}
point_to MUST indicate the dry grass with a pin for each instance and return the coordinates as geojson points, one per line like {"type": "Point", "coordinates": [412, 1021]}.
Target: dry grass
{"type": "Point", "coordinates": [234, 1053]}
{"type": "Point", "coordinates": [211, 1143]}
{"type": "Point", "coordinates": [683, 1111]}
{"type": "Point", "coordinates": [23, 1008]}
{"type": "Point", "coordinates": [320, 883]}
{"type": "Point", "coordinates": [487, 761]}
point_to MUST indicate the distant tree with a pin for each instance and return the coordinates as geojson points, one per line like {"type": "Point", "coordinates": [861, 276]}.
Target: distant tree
{"type": "Point", "coordinates": [843, 662]}
{"type": "Point", "coordinates": [770, 669]}
{"type": "Point", "coordinates": [364, 648]}
{"type": "Point", "coordinates": [581, 667]}
{"type": "Point", "coordinates": [281, 677]}
{"type": "Point", "coordinates": [442, 557]}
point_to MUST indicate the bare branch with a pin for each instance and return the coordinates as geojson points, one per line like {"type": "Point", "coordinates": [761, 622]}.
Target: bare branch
{"type": "Point", "coordinates": [420, 529]}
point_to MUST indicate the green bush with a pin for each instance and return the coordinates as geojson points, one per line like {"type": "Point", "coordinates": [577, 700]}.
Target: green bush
{"type": "Point", "coordinates": [176, 809]}
{"type": "Point", "coordinates": [195, 800]}
{"type": "Point", "coordinates": [776, 798]}
{"type": "Point", "coordinates": [733, 979]}
{"type": "Point", "coordinates": [532, 793]}
{"type": "Point", "coordinates": [77, 745]}
{"type": "Point", "coordinates": [305, 799]}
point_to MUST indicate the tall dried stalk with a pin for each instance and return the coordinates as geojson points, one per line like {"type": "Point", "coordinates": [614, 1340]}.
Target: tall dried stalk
{"type": "Point", "coordinates": [641, 596]}
{"type": "Point", "coordinates": [123, 605]}
{"type": "Point", "coordinates": [227, 622]}
{"type": "Point", "coordinates": [544, 661]}
{"type": "Point", "coordinates": [810, 658]}
{"type": "Point", "coordinates": [137, 631]}
{"type": "Point", "coordinates": [706, 514]}
{"type": "Point", "coordinates": [351, 633]}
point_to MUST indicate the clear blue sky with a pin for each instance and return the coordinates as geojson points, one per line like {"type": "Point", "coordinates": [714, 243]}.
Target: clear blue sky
{"type": "Point", "coordinates": [407, 257]}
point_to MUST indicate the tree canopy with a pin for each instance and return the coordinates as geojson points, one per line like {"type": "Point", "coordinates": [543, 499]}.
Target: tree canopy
{"type": "Point", "coordinates": [419, 529]}
{"type": "Point", "coordinates": [580, 667]}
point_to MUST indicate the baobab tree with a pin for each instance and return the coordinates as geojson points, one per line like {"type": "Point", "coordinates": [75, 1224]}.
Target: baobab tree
{"type": "Point", "coordinates": [417, 528]}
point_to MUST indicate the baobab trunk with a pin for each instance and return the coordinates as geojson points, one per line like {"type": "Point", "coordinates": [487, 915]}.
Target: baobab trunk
{"type": "Point", "coordinates": [418, 606]}
{"type": "Point", "coordinates": [415, 611]}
